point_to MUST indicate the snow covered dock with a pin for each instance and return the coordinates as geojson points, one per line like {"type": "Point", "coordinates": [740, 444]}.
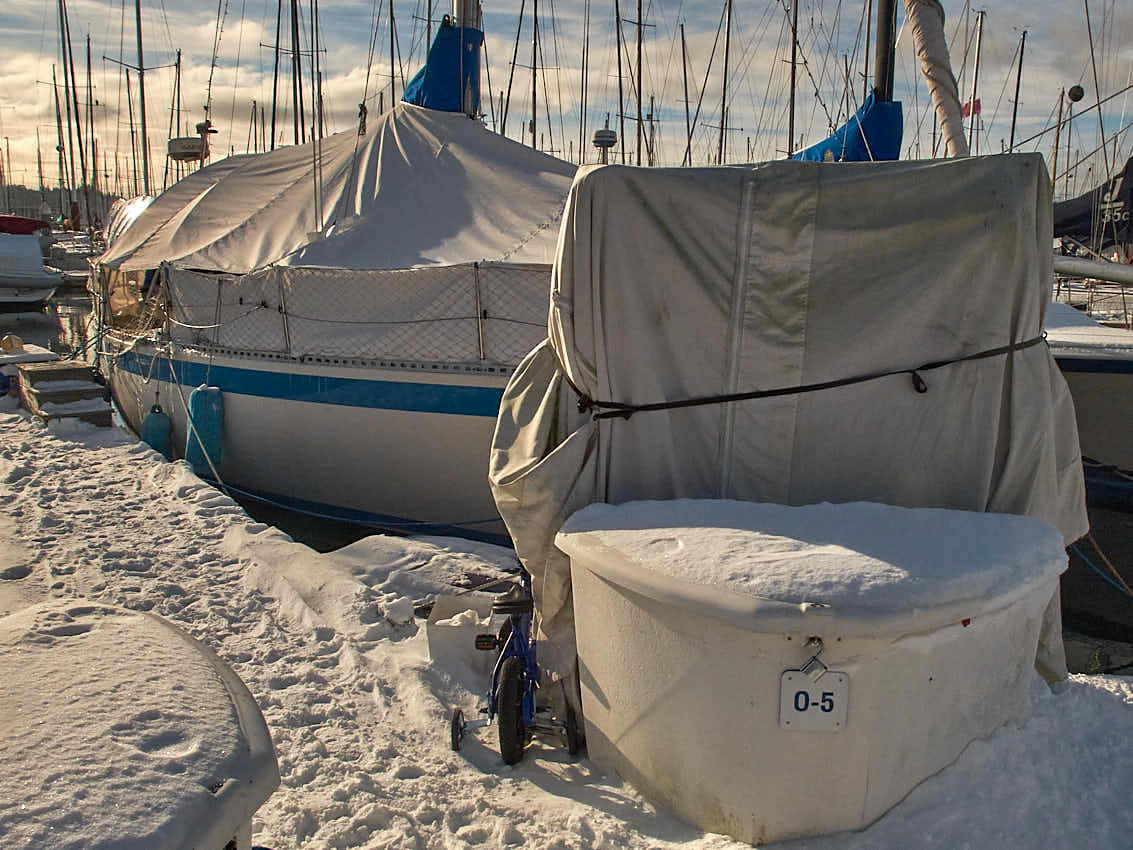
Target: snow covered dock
{"type": "Point", "coordinates": [328, 646]}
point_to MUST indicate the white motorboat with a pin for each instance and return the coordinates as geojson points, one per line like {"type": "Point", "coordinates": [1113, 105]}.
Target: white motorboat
{"type": "Point", "coordinates": [24, 282]}
{"type": "Point", "coordinates": [1097, 362]}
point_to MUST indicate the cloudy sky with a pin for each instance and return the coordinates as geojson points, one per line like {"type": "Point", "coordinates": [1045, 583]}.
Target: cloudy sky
{"type": "Point", "coordinates": [831, 37]}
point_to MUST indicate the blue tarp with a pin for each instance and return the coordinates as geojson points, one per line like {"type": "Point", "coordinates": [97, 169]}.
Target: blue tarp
{"type": "Point", "coordinates": [452, 67]}
{"type": "Point", "coordinates": [874, 133]}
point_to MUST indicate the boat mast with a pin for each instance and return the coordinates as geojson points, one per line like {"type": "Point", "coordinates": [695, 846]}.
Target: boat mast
{"type": "Point", "coordinates": [582, 103]}
{"type": "Point", "coordinates": [724, 93]}
{"type": "Point", "coordinates": [639, 127]}
{"type": "Point", "coordinates": [392, 58]}
{"type": "Point", "coordinates": [1057, 135]}
{"type": "Point", "coordinates": [883, 58]}
{"type": "Point", "coordinates": [794, 70]}
{"type": "Point", "coordinates": [66, 96]}
{"type": "Point", "coordinates": [297, 75]}
{"type": "Point", "coordinates": [511, 75]}
{"type": "Point", "coordinates": [684, 71]}
{"type": "Point", "coordinates": [621, 98]}
{"type": "Point", "coordinates": [275, 71]}
{"type": "Point", "coordinates": [39, 161]}
{"type": "Point", "coordinates": [142, 97]}
{"type": "Point", "coordinates": [78, 117]}
{"type": "Point", "coordinates": [975, 82]}
{"type": "Point", "coordinates": [133, 143]}
{"type": "Point", "coordinates": [59, 146]}
{"type": "Point", "coordinates": [868, 32]}
{"type": "Point", "coordinates": [174, 110]}
{"type": "Point", "coordinates": [534, 68]}
{"type": "Point", "coordinates": [1018, 80]}
{"type": "Point", "coordinates": [90, 131]}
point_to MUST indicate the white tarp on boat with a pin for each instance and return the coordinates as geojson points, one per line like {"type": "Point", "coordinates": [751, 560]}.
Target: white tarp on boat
{"type": "Point", "coordinates": [674, 284]}
{"type": "Point", "coordinates": [421, 188]}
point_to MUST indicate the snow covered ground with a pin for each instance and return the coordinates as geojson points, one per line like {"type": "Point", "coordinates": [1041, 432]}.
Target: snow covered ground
{"type": "Point", "coordinates": [330, 648]}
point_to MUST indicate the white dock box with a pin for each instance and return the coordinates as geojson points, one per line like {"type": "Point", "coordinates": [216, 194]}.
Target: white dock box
{"type": "Point", "coordinates": [697, 622]}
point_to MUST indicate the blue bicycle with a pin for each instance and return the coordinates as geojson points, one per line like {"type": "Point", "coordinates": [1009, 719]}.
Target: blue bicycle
{"type": "Point", "coordinates": [515, 679]}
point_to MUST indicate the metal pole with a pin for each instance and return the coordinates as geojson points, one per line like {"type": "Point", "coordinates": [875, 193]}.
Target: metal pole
{"type": "Point", "coordinates": [59, 146]}
{"type": "Point", "coordinates": [794, 70]}
{"type": "Point", "coordinates": [1018, 80]}
{"type": "Point", "coordinates": [392, 61]}
{"type": "Point", "coordinates": [534, 66]}
{"type": "Point", "coordinates": [133, 137]}
{"type": "Point", "coordinates": [621, 100]}
{"type": "Point", "coordinates": [506, 105]}
{"type": "Point", "coordinates": [275, 71]}
{"type": "Point", "coordinates": [868, 33]}
{"type": "Point", "coordinates": [684, 70]}
{"type": "Point", "coordinates": [66, 95]}
{"type": "Point", "coordinates": [1057, 134]}
{"type": "Point", "coordinates": [975, 83]}
{"type": "Point", "coordinates": [78, 117]}
{"type": "Point", "coordinates": [297, 76]}
{"type": "Point", "coordinates": [142, 96]}
{"type": "Point", "coordinates": [639, 127]}
{"type": "Point", "coordinates": [724, 92]}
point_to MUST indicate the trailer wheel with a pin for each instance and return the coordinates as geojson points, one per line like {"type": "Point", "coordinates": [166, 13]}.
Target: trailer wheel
{"type": "Point", "coordinates": [457, 729]}
{"type": "Point", "coordinates": [509, 705]}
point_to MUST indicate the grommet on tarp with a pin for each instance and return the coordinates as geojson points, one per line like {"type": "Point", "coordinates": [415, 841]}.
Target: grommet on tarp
{"type": "Point", "coordinates": [918, 383]}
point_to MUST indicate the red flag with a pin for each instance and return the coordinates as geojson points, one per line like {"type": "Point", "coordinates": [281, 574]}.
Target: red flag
{"type": "Point", "coordinates": [966, 109]}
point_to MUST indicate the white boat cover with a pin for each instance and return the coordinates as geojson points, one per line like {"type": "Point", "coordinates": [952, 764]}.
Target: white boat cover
{"type": "Point", "coordinates": [421, 188]}
{"type": "Point", "coordinates": [21, 263]}
{"type": "Point", "coordinates": [122, 214]}
{"type": "Point", "coordinates": [674, 284]}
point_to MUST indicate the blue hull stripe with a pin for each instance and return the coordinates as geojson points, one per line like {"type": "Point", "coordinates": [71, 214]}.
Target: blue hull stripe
{"type": "Point", "coordinates": [1098, 365]}
{"type": "Point", "coordinates": [351, 392]}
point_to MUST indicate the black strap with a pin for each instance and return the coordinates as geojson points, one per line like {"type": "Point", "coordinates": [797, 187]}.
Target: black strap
{"type": "Point", "coordinates": [612, 409]}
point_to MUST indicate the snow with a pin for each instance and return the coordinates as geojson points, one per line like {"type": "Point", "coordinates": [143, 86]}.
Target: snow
{"type": "Point", "coordinates": [90, 685]}
{"type": "Point", "coordinates": [359, 715]}
{"type": "Point", "coordinates": [860, 555]}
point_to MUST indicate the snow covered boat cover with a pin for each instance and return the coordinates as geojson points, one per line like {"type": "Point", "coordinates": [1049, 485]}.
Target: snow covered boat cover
{"type": "Point", "coordinates": [675, 284]}
{"type": "Point", "coordinates": [880, 569]}
{"type": "Point", "coordinates": [422, 187]}
{"type": "Point", "coordinates": [122, 731]}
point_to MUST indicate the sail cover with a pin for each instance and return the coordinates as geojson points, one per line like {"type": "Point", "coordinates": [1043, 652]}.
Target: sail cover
{"type": "Point", "coordinates": [421, 188]}
{"type": "Point", "coordinates": [1099, 218]}
{"type": "Point", "coordinates": [873, 133]}
{"type": "Point", "coordinates": [674, 284]}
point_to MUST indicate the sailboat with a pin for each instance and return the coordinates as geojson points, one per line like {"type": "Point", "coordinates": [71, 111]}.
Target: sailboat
{"type": "Point", "coordinates": [355, 306]}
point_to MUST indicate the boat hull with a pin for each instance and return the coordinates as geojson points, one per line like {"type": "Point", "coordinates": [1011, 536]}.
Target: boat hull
{"type": "Point", "coordinates": [399, 447]}
{"type": "Point", "coordinates": [24, 297]}
{"type": "Point", "coordinates": [1102, 389]}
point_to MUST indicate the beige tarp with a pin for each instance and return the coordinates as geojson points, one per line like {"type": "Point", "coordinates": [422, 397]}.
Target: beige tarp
{"type": "Point", "coordinates": [421, 188]}
{"type": "Point", "coordinates": [679, 283]}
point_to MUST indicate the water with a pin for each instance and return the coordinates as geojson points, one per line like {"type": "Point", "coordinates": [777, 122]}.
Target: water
{"type": "Point", "coordinates": [63, 326]}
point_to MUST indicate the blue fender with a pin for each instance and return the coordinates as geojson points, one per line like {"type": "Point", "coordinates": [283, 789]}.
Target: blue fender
{"type": "Point", "coordinates": [206, 422]}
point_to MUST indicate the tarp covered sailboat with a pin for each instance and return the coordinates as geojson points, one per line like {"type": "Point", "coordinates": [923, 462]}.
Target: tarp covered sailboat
{"type": "Point", "coordinates": [358, 301]}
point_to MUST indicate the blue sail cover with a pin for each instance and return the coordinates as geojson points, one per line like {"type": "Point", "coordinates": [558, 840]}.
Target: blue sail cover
{"type": "Point", "coordinates": [452, 67]}
{"type": "Point", "coordinates": [873, 134]}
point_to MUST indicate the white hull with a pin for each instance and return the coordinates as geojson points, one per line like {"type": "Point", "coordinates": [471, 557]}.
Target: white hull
{"type": "Point", "coordinates": [25, 296]}
{"type": "Point", "coordinates": [1097, 362]}
{"type": "Point", "coordinates": [362, 459]}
